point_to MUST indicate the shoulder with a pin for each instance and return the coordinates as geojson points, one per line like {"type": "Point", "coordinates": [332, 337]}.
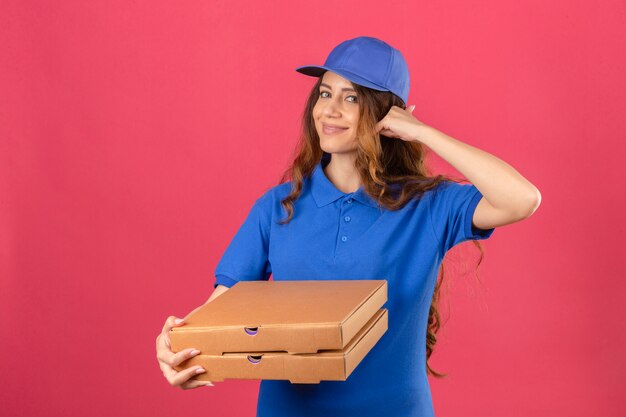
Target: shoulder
{"type": "Point", "coordinates": [269, 202]}
{"type": "Point", "coordinates": [275, 193]}
{"type": "Point", "coordinates": [445, 186]}
{"type": "Point", "coordinates": [451, 197]}
{"type": "Point", "coordinates": [450, 189]}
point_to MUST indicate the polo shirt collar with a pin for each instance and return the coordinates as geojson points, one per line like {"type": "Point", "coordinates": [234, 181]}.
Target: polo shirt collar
{"type": "Point", "coordinates": [324, 191]}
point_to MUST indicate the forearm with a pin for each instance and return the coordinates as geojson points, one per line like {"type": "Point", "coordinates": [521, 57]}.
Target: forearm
{"type": "Point", "coordinates": [501, 185]}
{"type": "Point", "coordinates": [219, 290]}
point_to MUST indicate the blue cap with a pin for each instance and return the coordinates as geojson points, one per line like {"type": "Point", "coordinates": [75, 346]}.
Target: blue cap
{"type": "Point", "coordinates": [369, 62]}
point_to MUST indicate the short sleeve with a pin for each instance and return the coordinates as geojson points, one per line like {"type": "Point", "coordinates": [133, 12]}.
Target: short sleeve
{"type": "Point", "coordinates": [452, 207]}
{"type": "Point", "coordinates": [246, 257]}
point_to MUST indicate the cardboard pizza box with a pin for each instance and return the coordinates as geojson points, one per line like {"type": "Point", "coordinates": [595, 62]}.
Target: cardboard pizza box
{"type": "Point", "coordinates": [301, 368]}
{"type": "Point", "coordinates": [292, 316]}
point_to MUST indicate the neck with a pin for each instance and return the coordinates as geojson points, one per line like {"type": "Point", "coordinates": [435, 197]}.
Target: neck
{"type": "Point", "coordinates": [342, 173]}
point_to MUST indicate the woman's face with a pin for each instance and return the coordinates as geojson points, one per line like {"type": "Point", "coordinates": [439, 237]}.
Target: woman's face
{"type": "Point", "coordinates": [337, 105]}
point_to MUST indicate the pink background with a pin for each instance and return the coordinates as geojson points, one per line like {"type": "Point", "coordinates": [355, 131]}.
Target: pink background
{"type": "Point", "coordinates": [135, 136]}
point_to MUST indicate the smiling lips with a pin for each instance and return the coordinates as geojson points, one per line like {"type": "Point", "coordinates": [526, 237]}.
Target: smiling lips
{"type": "Point", "coordinates": [331, 129]}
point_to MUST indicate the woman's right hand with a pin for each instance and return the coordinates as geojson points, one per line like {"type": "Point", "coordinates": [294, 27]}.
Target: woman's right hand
{"type": "Point", "coordinates": [168, 359]}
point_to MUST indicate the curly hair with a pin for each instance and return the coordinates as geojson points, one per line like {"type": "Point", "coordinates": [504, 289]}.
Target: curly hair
{"type": "Point", "coordinates": [392, 172]}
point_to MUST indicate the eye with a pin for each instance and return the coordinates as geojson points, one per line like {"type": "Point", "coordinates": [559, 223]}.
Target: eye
{"type": "Point", "coordinates": [326, 92]}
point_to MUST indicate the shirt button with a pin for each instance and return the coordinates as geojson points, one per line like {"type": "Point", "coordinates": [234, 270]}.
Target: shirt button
{"type": "Point", "coordinates": [349, 200]}
{"type": "Point", "coordinates": [344, 238]}
{"type": "Point", "coordinates": [347, 218]}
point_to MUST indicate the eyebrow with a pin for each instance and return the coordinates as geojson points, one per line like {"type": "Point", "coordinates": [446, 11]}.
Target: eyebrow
{"type": "Point", "coordinates": [343, 89]}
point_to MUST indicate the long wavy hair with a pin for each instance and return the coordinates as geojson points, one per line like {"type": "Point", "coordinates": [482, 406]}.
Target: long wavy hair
{"type": "Point", "coordinates": [392, 171]}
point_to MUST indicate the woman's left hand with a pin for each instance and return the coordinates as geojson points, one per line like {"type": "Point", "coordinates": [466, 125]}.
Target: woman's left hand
{"type": "Point", "coordinates": [401, 124]}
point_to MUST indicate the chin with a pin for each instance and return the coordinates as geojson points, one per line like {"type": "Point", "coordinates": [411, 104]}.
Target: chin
{"type": "Point", "coordinates": [330, 147]}
{"type": "Point", "coordinates": [338, 149]}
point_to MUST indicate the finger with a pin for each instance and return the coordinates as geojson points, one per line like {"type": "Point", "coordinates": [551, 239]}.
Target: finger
{"type": "Point", "coordinates": [172, 321]}
{"type": "Point", "coordinates": [196, 384]}
{"type": "Point", "coordinates": [174, 359]}
{"type": "Point", "coordinates": [178, 378]}
{"type": "Point", "coordinates": [177, 358]}
{"type": "Point", "coordinates": [412, 107]}
{"type": "Point", "coordinates": [174, 377]}
{"type": "Point", "coordinates": [171, 375]}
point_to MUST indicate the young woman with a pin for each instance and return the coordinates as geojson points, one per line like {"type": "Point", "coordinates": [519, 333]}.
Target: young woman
{"type": "Point", "coordinates": [360, 203]}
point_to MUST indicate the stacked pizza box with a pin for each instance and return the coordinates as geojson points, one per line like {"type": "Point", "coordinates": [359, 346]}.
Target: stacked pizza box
{"type": "Point", "coordinates": [304, 331]}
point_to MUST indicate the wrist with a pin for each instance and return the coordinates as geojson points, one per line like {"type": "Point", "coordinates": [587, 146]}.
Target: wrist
{"type": "Point", "coordinates": [422, 133]}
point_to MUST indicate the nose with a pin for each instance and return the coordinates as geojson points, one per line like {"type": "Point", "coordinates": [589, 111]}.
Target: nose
{"type": "Point", "coordinates": [331, 108]}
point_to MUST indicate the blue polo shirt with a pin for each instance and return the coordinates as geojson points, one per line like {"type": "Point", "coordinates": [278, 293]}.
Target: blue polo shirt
{"type": "Point", "coordinates": [337, 235]}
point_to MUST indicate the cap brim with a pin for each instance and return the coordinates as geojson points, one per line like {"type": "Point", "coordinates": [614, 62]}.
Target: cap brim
{"type": "Point", "coordinates": [312, 70]}
{"type": "Point", "coordinates": [319, 70]}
